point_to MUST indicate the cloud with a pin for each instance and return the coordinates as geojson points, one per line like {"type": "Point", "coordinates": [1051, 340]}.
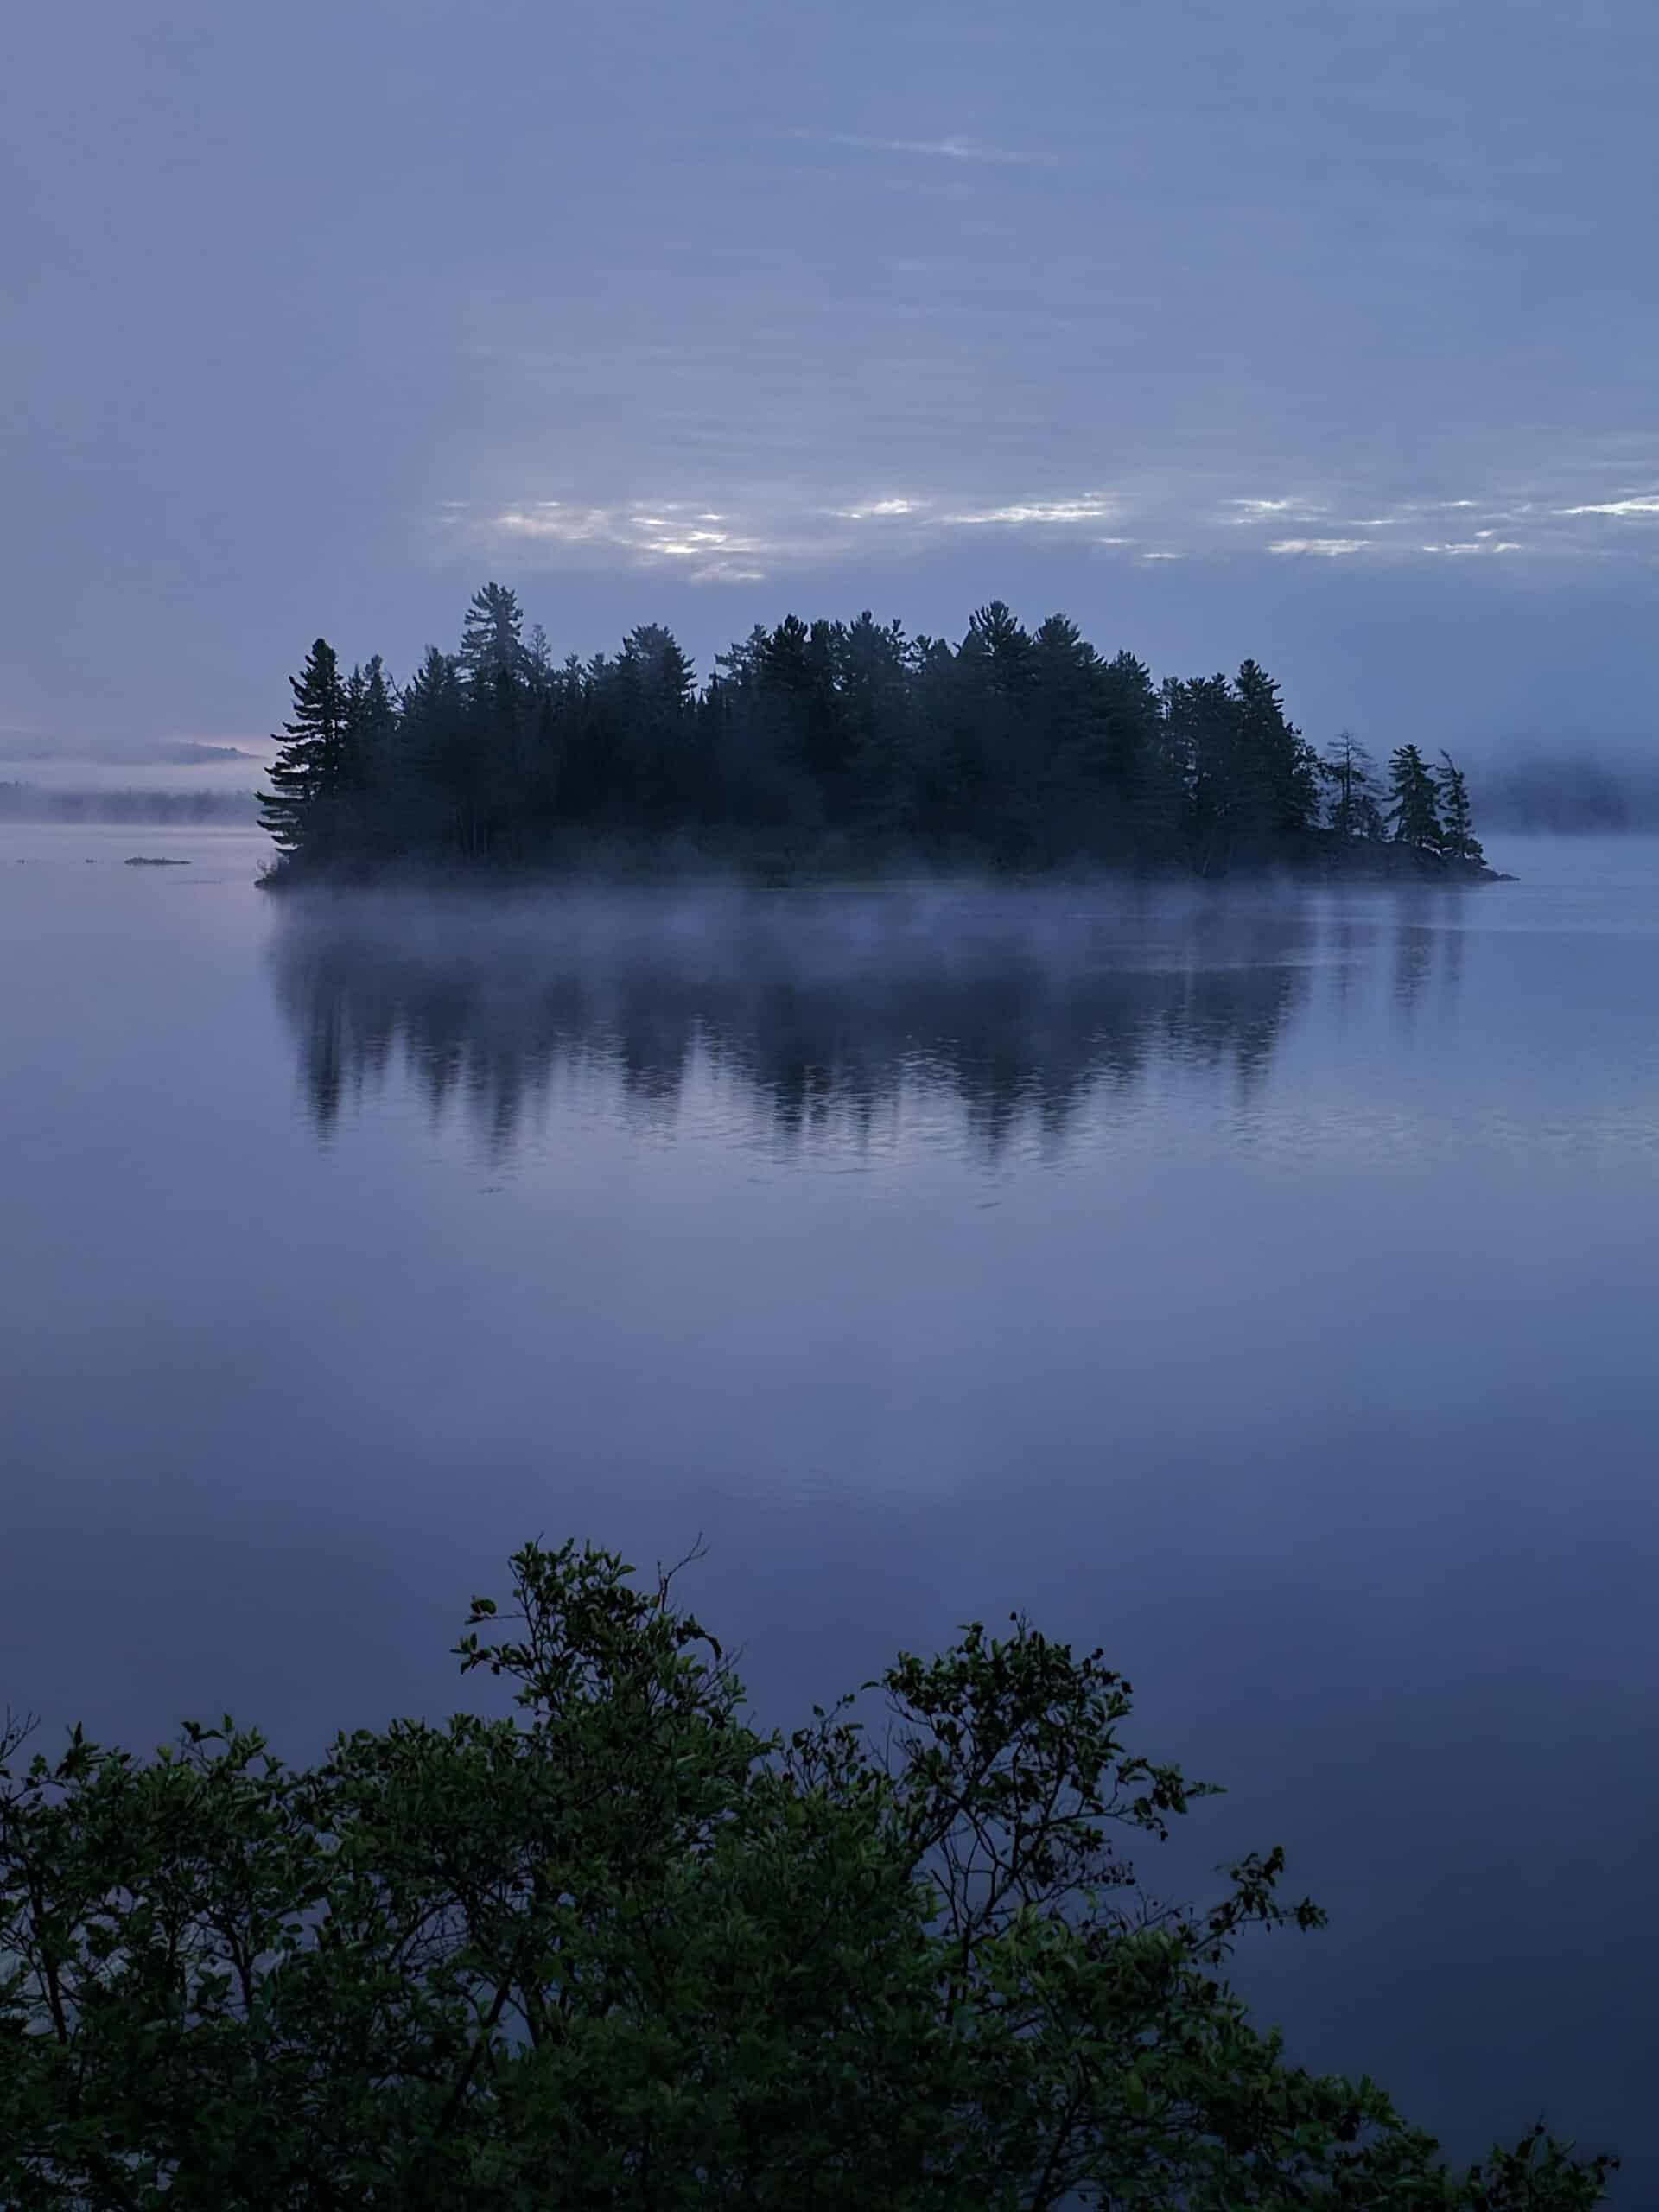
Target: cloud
{"type": "Point", "coordinates": [1485, 544]}
{"type": "Point", "coordinates": [1644, 503]}
{"type": "Point", "coordinates": [878, 507]}
{"type": "Point", "coordinates": [939, 149]}
{"type": "Point", "coordinates": [1332, 548]}
{"type": "Point", "coordinates": [780, 528]}
{"type": "Point", "coordinates": [640, 539]}
{"type": "Point", "coordinates": [570, 526]}
{"type": "Point", "coordinates": [1273, 510]}
{"type": "Point", "coordinates": [1091, 506]}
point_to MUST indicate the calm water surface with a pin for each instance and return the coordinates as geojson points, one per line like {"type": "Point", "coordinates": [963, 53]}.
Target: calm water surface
{"type": "Point", "coordinates": [1262, 1287]}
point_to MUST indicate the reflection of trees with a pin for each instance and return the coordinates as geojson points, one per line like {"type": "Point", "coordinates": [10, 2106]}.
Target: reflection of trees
{"type": "Point", "coordinates": [1428, 934]}
{"type": "Point", "coordinates": [823, 1008]}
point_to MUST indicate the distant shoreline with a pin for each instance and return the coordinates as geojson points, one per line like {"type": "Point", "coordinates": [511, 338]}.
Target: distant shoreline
{"type": "Point", "coordinates": [616, 862]}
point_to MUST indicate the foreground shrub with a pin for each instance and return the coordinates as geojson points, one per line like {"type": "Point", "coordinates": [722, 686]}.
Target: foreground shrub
{"type": "Point", "coordinates": [623, 1950]}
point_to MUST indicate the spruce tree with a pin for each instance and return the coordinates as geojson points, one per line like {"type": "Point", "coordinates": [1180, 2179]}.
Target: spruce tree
{"type": "Point", "coordinates": [307, 775]}
{"type": "Point", "coordinates": [1414, 815]}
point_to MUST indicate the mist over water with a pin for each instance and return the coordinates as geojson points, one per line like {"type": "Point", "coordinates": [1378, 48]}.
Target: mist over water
{"type": "Point", "coordinates": [834, 1016]}
{"type": "Point", "coordinates": [1259, 1284]}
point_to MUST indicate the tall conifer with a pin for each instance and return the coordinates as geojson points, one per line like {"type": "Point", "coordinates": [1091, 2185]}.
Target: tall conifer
{"type": "Point", "coordinates": [1415, 814]}
{"type": "Point", "coordinates": [1458, 840]}
{"type": "Point", "coordinates": [307, 775]}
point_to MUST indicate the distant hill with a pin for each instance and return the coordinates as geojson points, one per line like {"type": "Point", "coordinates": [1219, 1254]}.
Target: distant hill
{"type": "Point", "coordinates": [29, 803]}
{"type": "Point", "coordinates": [188, 753]}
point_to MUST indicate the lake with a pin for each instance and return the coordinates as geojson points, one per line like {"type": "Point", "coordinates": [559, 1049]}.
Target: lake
{"type": "Point", "coordinates": [1259, 1284]}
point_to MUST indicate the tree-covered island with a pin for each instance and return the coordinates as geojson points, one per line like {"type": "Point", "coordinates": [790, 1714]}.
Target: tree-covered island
{"type": "Point", "coordinates": [835, 748]}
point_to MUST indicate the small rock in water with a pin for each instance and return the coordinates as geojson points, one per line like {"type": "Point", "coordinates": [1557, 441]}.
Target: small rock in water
{"type": "Point", "coordinates": [141, 860]}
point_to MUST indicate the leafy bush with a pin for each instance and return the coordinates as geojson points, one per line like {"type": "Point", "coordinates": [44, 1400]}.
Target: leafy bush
{"type": "Point", "coordinates": [619, 1950]}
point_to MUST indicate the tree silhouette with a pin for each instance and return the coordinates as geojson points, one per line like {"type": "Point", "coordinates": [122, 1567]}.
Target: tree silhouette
{"type": "Point", "coordinates": [490, 640]}
{"type": "Point", "coordinates": [1414, 813]}
{"type": "Point", "coordinates": [1456, 833]}
{"type": "Point", "coordinates": [835, 745]}
{"type": "Point", "coordinates": [1356, 809]}
{"type": "Point", "coordinates": [308, 774]}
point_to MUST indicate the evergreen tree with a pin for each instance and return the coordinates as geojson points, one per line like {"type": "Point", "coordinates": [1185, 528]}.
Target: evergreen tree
{"type": "Point", "coordinates": [1457, 839]}
{"type": "Point", "coordinates": [1415, 814]}
{"type": "Point", "coordinates": [1007, 646]}
{"type": "Point", "coordinates": [872, 680]}
{"type": "Point", "coordinates": [1356, 809]}
{"type": "Point", "coordinates": [379, 718]}
{"type": "Point", "coordinates": [650, 688]}
{"type": "Point", "coordinates": [308, 775]}
{"type": "Point", "coordinates": [1276, 774]}
{"type": "Point", "coordinates": [431, 738]}
{"type": "Point", "coordinates": [490, 640]}
{"type": "Point", "coordinates": [1141, 766]}
{"type": "Point", "coordinates": [1000, 769]}
{"type": "Point", "coordinates": [1201, 722]}
{"type": "Point", "coordinates": [356, 747]}
{"type": "Point", "coordinates": [1063, 784]}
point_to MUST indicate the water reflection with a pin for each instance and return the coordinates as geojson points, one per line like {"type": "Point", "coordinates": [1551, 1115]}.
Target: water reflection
{"type": "Point", "coordinates": [819, 1010]}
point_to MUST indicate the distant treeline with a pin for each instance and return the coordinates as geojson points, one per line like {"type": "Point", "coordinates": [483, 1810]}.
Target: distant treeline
{"type": "Point", "coordinates": [1572, 793]}
{"type": "Point", "coordinates": [832, 745]}
{"type": "Point", "coordinates": [29, 803]}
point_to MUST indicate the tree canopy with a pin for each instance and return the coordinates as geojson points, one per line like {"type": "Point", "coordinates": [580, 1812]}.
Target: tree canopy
{"type": "Point", "coordinates": [620, 1948]}
{"type": "Point", "coordinates": [836, 743]}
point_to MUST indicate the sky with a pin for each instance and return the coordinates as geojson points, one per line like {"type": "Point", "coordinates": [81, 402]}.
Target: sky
{"type": "Point", "coordinates": [1318, 330]}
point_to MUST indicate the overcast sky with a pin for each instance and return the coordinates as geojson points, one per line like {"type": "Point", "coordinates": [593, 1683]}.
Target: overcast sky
{"type": "Point", "coordinates": [1325, 330]}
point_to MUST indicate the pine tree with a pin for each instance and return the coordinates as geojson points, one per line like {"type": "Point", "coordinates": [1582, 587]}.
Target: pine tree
{"type": "Point", "coordinates": [1415, 814]}
{"type": "Point", "coordinates": [1458, 840]}
{"type": "Point", "coordinates": [490, 639]}
{"type": "Point", "coordinates": [1006, 645]}
{"type": "Point", "coordinates": [1354, 809]}
{"type": "Point", "coordinates": [307, 776]}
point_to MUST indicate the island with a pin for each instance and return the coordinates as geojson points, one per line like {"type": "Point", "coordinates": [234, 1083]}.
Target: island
{"type": "Point", "coordinates": [834, 749]}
